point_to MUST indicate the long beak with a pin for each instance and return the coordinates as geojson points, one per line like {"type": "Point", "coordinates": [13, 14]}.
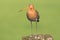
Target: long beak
{"type": "Point", "coordinates": [23, 9]}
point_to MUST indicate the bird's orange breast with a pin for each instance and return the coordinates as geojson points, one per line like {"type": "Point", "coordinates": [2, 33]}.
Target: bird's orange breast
{"type": "Point", "coordinates": [32, 14]}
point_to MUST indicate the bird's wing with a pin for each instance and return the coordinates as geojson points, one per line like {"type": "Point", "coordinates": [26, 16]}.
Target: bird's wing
{"type": "Point", "coordinates": [38, 15]}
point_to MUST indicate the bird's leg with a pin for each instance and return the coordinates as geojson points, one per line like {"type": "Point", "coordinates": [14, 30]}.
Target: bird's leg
{"type": "Point", "coordinates": [36, 25]}
{"type": "Point", "coordinates": [31, 27]}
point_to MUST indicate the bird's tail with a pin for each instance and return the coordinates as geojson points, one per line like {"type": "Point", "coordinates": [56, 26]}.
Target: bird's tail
{"type": "Point", "coordinates": [38, 20]}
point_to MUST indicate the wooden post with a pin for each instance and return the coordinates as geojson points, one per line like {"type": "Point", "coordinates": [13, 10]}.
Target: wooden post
{"type": "Point", "coordinates": [38, 37]}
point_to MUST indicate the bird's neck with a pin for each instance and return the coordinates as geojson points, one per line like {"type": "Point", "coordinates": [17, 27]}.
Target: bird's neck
{"type": "Point", "coordinates": [31, 9]}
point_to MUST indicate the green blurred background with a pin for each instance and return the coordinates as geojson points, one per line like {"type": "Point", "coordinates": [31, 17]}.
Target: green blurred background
{"type": "Point", "coordinates": [14, 25]}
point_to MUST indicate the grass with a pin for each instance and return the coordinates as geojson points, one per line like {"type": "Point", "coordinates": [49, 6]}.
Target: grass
{"type": "Point", "coordinates": [14, 25]}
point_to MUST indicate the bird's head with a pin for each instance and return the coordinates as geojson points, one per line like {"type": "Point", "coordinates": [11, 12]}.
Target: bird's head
{"type": "Point", "coordinates": [31, 6]}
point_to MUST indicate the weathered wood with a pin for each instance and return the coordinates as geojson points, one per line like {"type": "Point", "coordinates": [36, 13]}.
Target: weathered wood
{"type": "Point", "coordinates": [38, 37]}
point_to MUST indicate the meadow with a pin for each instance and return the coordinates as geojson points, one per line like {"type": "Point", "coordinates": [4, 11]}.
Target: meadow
{"type": "Point", "coordinates": [14, 25]}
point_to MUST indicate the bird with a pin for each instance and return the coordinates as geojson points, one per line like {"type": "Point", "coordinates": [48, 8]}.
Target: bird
{"type": "Point", "coordinates": [32, 15]}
